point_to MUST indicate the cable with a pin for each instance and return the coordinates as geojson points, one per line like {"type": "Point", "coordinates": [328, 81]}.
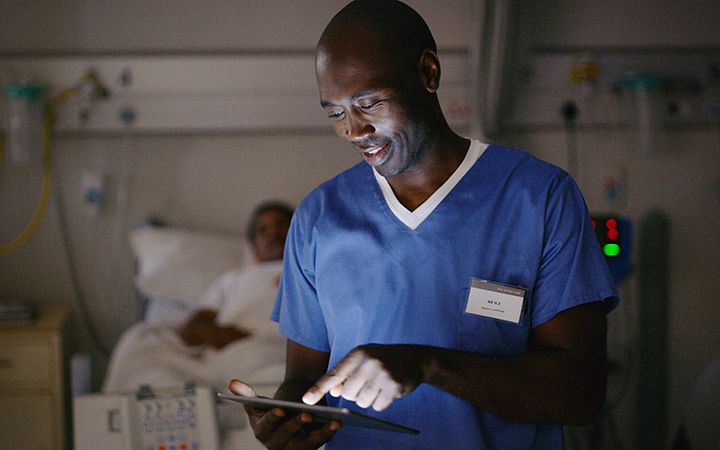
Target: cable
{"type": "Point", "coordinates": [74, 278]}
{"type": "Point", "coordinates": [66, 238]}
{"type": "Point", "coordinates": [2, 156]}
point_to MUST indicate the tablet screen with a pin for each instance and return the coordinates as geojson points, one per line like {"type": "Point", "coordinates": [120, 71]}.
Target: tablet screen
{"type": "Point", "coordinates": [322, 413]}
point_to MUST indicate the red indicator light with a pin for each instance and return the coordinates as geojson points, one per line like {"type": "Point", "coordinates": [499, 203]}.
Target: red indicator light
{"type": "Point", "coordinates": [612, 234]}
{"type": "Point", "coordinates": [593, 224]}
{"type": "Point", "coordinates": [611, 224]}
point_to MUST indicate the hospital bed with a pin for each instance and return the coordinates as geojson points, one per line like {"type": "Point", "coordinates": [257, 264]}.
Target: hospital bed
{"type": "Point", "coordinates": [177, 267]}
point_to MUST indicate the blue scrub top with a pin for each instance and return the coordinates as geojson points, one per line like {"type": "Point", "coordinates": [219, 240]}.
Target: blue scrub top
{"type": "Point", "coordinates": [355, 274]}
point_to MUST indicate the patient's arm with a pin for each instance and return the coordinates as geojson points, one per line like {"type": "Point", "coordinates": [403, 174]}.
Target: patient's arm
{"type": "Point", "coordinates": [202, 329]}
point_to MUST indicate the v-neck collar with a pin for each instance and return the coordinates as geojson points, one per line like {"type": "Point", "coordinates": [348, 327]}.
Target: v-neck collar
{"type": "Point", "coordinates": [413, 219]}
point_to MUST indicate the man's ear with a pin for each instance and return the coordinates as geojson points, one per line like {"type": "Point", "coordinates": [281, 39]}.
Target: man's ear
{"type": "Point", "coordinates": [430, 70]}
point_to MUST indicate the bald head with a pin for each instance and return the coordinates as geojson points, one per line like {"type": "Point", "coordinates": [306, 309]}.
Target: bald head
{"type": "Point", "coordinates": [378, 73]}
{"type": "Point", "coordinates": [386, 30]}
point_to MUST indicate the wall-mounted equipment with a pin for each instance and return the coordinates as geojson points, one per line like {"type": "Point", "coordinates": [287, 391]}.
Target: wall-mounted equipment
{"type": "Point", "coordinates": [614, 233]}
{"type": "Point", "coordinates": [93, 192]}
{"type": "Point", "coordinates": [208, 93]}
{"type": "Point", "coordinates": [24, 110]}
{"type": "Point", "coordinates": [654, 319]}
{"type": "Point", "coordinates": [643, 105]}
{"type": "Point", "coordinates": [30, 123]}
{"type": "Point", "coordinates": [615, 87]}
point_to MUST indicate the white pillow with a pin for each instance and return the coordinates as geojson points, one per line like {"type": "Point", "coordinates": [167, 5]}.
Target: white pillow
{"type": "Point", "coordinates": [180, 264]}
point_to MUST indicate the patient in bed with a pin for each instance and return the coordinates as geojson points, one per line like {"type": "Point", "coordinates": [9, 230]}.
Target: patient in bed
{"type": "Point", "coordinates": [227, 333]}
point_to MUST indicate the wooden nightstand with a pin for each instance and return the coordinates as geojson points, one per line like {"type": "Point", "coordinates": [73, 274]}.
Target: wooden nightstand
{"type": "Point", "coordinates": [34, 384]}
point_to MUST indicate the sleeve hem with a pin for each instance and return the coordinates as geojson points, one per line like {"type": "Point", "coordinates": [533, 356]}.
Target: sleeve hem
{"type": "Point", "coordinates": [305, 341]}
{"type": "Point", "coordinates": [609, 297]}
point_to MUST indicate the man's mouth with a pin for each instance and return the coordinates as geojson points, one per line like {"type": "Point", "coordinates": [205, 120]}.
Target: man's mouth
{"type": "Point", "coordinates": [376, 154]}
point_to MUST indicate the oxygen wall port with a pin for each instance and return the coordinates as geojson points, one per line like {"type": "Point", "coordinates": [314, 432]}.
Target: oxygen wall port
{"type": "Point", "coordinates": [93, 192]}
{"type": "Point", "coordinates": [127, 115]}
{"type": "Point", "coordinates": [614, 185]}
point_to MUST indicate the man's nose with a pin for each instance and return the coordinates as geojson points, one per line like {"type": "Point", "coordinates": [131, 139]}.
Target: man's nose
{"type": "Point", "coordinates": [356, 128]}
{"type": "Point", "coordinates": [276, 232]}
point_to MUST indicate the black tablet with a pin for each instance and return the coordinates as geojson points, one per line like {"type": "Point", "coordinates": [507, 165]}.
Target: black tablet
{"type": "Point", "coordinates": [322, 413]}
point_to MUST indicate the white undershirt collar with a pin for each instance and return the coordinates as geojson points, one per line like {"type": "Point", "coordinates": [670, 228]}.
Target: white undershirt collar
{"type": "Point", "coordinates": [413, 219]}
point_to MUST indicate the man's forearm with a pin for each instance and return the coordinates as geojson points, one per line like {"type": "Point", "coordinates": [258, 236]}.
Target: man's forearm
{"type": "Point", "coordinates": [543, 386]}
{"type": "Point", "coordinates": [560, 378]}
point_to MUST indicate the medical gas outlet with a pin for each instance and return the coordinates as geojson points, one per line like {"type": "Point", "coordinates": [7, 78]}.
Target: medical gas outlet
{"type": "Point", "coordinates": [93, 192]}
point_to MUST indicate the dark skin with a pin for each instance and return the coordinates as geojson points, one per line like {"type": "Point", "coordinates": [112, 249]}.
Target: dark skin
{"type": "Point", "coordinates": [202, 329]}
{"type": "Point", "coordinates": [388, 111]}
{"type": "Point", "coordinates": [269, 232]}
{"type": "Point", "coordinates": [278, 429]}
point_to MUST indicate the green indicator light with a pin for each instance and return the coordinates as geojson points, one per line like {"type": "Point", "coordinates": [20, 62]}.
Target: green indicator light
{"type": "Point", "coordinates": [611, 249]}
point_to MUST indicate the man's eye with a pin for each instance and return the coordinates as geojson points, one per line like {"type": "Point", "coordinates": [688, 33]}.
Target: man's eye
{"type": "Point", "coordinates": [369, 106]}
{"type": "Point", "coordinates": [335, 114]}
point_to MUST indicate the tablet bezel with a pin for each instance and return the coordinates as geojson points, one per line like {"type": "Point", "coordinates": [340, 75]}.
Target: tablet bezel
{"type": "Point", "coordinates": [326, 413]}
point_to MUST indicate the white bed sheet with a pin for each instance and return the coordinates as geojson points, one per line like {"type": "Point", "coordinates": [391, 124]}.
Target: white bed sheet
{"type": "Point", "coordinates": [151, 352]}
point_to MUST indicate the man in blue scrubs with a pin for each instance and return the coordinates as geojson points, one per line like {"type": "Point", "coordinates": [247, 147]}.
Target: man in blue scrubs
{"type": "Point", "coordinates": [451, 286]}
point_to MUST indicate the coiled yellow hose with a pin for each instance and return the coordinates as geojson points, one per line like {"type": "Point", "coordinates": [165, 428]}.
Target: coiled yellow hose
{"type": "Point", "coordinates": [39, 215]}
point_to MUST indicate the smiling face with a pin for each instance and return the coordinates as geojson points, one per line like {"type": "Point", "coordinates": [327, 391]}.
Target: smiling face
{"type": "Point", "coordinates": [375, 105]}
{"type": "Point", "coordinates": [377, 72]}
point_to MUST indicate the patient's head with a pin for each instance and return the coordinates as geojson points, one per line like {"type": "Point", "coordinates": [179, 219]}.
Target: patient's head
{"type": "Point", "coordinates": [267, 230]}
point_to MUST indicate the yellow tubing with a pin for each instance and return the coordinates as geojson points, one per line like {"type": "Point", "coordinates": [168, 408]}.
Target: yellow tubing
{"type": "Point", "coordinates": [32, 227]}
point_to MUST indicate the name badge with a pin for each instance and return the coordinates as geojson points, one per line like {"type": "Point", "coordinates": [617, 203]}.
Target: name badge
{"type": "Point", "coordinates": [495, 300]}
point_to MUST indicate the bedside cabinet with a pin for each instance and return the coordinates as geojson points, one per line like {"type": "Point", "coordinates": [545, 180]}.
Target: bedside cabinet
{"type": "Point", "coordinates": [34, 383]}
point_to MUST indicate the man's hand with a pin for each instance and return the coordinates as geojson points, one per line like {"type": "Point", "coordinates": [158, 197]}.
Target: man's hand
{"type": "Point", "coordinates": [372, 375]}
{"type": "Point", "coordinates": [202, 329]}
{"type": "Point", "coordinates": [217, 337]}
{"type": "Point", "coordinates": [276, 429]}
